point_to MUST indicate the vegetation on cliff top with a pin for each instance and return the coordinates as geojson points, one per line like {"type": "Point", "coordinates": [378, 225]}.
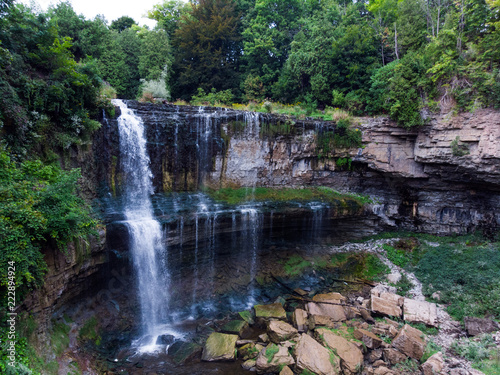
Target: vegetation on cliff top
{"type": "Point", "coordinates": [319, 194]}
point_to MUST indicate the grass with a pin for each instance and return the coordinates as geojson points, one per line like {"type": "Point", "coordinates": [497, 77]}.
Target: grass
{"type": "Point", "coordinates": [464, 269]}
{"type": "Point", "coordinates": [323, 194]}
{"type": "Point", "coordinates": [89, 332]}
{"type": "Point", "coordinates": [295, 265]}
{"type": "Point", "coordinates": [60, 337]}
{"type": "Point", "coordinates": [431, 349]}
{"type": "Point", "coordinates": [404, 285]}
{"type": "Point", "coordinates": [481, 351]}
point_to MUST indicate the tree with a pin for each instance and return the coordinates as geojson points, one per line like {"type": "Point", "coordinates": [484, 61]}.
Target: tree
{"type": "Point", "coordinates": [207, 48]}
{"type": "Point", "coordinates": [269, 30]}
{"type": "Point", "coordinates": [155, 54]}
{"type": "Point", "coordinates": [168, 15]}
{"type": "Point", "coordinates": [122, 23]}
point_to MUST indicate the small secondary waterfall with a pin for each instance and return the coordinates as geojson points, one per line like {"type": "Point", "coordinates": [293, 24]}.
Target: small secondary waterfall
{"type": "Point", "coordinates": [144, 231]}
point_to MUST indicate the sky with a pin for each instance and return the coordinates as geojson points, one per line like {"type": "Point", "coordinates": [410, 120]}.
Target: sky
{"type": "Point", "coordinates": [112, 9]}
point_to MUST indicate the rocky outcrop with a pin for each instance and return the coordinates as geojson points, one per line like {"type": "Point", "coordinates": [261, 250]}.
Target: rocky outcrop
{"type": "Point", "coordinates": [440, 178]}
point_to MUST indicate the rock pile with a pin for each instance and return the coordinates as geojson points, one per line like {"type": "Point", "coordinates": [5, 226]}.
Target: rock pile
{"type": "Point", "coordinates": [334, 335]}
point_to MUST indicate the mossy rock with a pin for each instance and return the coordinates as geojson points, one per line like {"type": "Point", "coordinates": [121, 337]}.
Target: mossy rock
{"type": "Point", "coordinates": [235, 326]}
{"type": "Point", "coordinates": [274, 310]}
{"type": "Point", "coordinates": [182, 351]}
{"type": "Point", "coordinates": [220, 347]}
{"type": "Point", "coordinates": [246, 316]}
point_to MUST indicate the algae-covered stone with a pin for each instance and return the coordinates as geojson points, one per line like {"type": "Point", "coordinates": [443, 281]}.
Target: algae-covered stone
{"type": "Point", "coordinates": [246, 316]}
{"type": "Point", "coordinates": [274, 310]}
{"type": "Point", "coordinates": [235, 326]}
{"type": "Point", "coordinates": [273, 358]}
{"type": "Point", "coordinates": [220, 347]}
{"type": "Point", "coordinates": [249, 351]}
{"type": "Point", "coordinates": [182, 351]}
{"type": "Point", "coordinates": [350, 355]}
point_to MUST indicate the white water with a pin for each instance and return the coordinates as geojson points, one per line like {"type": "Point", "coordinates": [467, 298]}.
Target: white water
{"type": "Point", "coordinates": [145, 232]}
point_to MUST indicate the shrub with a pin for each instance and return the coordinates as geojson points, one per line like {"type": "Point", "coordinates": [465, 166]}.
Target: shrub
{"type": "Point", "coordinates": [458, 148]}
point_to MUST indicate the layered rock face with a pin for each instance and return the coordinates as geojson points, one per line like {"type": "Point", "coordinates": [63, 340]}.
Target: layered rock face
{"type": "Point", "coordinates": [441, 178]}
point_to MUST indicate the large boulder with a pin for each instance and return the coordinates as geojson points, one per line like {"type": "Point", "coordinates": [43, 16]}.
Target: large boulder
{"type": "Point", "coordinates": [219, 347]}
{"type": "Point", "coordinates": [476, 326]}
{"type": "Point", "coordinates": [273, 358]}
{"type": "Point", "coordinates": [329, 304]}
{"type": "Point", "coordinates": [370, 340]}
{"type": "Point", "coordinates": [434, 365]}
{"type": "Point", "coordinates": [278, 331]}
{"type": "Point", "coordinates": [420, 312]}
{"type": "Point", "coordinates": [237, 327]}
{"type": "Point", "coordinates": [394, 356]}
{"type": "Point", "coordinates": [386, 303]}
{"type": "Point", "coordinates": [314, 357]}
{"type": "Point", "coordinates": [274, 310]}
{"type": "Point", "coordinates": [409, 341]}
{"type": "Point", "coordinates": [300, 320]}
{"type": "Point", "coordinates": [351, 357]}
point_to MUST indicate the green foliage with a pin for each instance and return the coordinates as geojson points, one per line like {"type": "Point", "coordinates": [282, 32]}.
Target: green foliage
{"type": "Point", "coordinates": [271, 350]}
{"type": "Point", "coordinates": [38, 206]}
{"type": "Point", "coordinates": [402, 257]}
{"type": "Point", "coordinates": [466, 274]}
{"type": "Point", "coordinates": [90, 332]}
{"type": "Point", "coordinates": [323, 194]}
{"type": "Point", "coordinates": [374, 268]}
{"type": "Point", "coordinates": [404, 285]}
{"type": "Point", "coordinates": [295, 265]}
{"type": "Point", "coordinates": [207, 48]}
{"type": "Point", "coordinates": [59, 337]}
{"type": "Point", "coordinates": [482, 352]}
{"type": "Point", "coordinates": [122, 23]}
{"type": "Point", "coordinates": [459, 149]}
{"type": "Point", "coordinates": [213, 98]}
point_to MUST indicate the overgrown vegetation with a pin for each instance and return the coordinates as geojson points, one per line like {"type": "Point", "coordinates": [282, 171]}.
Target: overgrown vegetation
{"type": "Point", "coordinates": [465, 270]}
{"type": "Point", "coordinates": [323, 194]}
{"type": "Point", "coordinates": [39, 207]}
{"type": "Point", "coordinates": [482, 351]}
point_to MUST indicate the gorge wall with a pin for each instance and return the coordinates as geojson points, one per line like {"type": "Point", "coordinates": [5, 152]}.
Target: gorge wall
{"type": "Point", "coordinates": [413, 175]}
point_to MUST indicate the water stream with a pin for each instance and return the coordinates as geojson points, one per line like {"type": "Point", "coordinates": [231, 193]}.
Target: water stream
{"type": "Point", "coordinates": [145, 233]}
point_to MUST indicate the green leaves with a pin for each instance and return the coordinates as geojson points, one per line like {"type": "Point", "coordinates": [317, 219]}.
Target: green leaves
{"type": "Point", "coordinates": [38, 206]}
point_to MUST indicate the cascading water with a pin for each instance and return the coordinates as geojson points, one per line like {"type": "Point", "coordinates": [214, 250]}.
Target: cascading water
{"type": "Point", "coordinates": [145, 234]}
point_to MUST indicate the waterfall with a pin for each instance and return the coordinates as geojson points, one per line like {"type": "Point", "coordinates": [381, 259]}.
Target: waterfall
{"type": "Point", "coordinates": [144, 231]}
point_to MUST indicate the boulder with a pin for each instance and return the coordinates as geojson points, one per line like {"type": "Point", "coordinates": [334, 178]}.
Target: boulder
{"type": "Point", "coordinates": [249, 351]}
{"type": "Point", "coordinates": [300, 320]}
{"type": "Point", "coordinates": [420, 312]}
{"type": "Point", "coordinates": [314, 357]}
{"type": "Point", "coordinates": [165, 340]}
{"type": "Point", "coordinates": [237, 327]}
{"type": "Point", "coordinates": [476, 326]}
{"type": "Point", "coordinates": [409, 341]}
{"type": "Point", "coordinates": [383, 371]}
{"type": "Point", "coordinates": [370, 340]}
{"type": "Point", "coordinates": [249, 364]}
{"type": "Point", "coordinates": [386, 304]}
{"type": "Point", "coordinates": [274, 310]}
{"type": "Point", "coordinates": [351, 357]}
{"type": "Point", "coordinates": [219, 347]}
{"type": "Point", "coordinates": [330, 307]}
{"type": "Point", "coordinates": [434, 365]}
{"type": "Point", "coordinates": [181, 351]}
{"type": "Point", "coordinates": [393, 356]}
{"type": "Point", "coordinates": [286, 371]}
{"type": "Point", "coordinates": [278, 331]}
{"type": "Point", "coordinates": [273, 358]}
{"type": "Point", "coordinates": [321, 320]}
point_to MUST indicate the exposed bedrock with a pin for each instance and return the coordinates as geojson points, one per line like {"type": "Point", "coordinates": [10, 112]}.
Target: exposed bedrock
{"type": "Point", "coordinates": [419, 178]}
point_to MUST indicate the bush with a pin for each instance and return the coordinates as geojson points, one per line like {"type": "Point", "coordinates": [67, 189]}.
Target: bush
{"type": "Point", "coordinates": [38, 206]}
{"type": "Point", "coordinates": [213, 98]}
